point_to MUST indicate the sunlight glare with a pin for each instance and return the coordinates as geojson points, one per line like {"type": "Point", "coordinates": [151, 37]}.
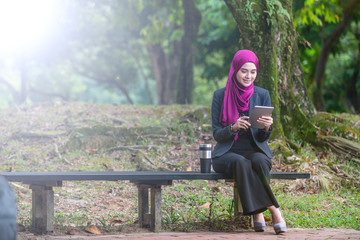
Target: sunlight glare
{"type": "Point", "coordinates": [24, 24]}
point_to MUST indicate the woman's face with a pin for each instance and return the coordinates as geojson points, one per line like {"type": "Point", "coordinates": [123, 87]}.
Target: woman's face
{"type": "Point", "coordinates": [247, 74]}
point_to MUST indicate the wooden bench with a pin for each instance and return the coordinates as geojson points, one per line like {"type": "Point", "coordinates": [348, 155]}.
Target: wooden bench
{"type": "Point", "coordinates": [42, 184]}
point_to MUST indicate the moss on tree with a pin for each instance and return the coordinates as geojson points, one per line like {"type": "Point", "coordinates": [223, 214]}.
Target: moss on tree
{"type": "Point", "coordinates": [267, 28]}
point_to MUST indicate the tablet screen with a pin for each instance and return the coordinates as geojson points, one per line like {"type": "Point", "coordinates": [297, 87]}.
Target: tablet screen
{"type": "Point", "coordinates": [258, 112]}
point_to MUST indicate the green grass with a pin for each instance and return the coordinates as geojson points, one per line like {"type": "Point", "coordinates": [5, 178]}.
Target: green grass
{"type": "Point", "coordinates": [181, 207]}
{"type": "Point", "coordinates": [186, 205]}
{"type": "Point", "coordinates": [323, 210]}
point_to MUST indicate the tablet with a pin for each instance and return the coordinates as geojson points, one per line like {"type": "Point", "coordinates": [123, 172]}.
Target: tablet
{"type": "Point", "coordinates": [258, 112]}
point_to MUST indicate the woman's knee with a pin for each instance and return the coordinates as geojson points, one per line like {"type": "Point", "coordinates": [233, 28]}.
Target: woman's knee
{"type": "Point", "coordinates": [230, 161]}
{"type": "Point", "coordinates": [261, 162]}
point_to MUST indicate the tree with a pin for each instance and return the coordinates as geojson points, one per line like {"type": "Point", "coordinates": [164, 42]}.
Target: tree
{"type": "Point", "coordinates": [351, 89]}
{"type": "Point", "coordinates": [218, 39]}
{"type": "Point", "coordinates": [267, 28]}
{"type": "Point", "coordinates": [323, 23]}
{"type": "Point", "coordinates": [170, 30]}
{"type": "Point", "coordinates": [185, 82]}
{"type": "Point", "coordinates": [348, 13]}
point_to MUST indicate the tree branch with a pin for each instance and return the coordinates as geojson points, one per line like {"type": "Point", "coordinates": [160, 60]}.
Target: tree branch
{"type": "Point", "coordinates": [104, 79]}
{"type": "Point", "coordinates": [348, 13]}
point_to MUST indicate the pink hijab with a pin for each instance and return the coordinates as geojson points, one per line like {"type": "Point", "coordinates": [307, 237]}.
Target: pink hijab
{"type": "Point", "coordinates": [236, 98]}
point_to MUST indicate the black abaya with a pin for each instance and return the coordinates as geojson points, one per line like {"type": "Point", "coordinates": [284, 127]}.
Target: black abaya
{"type": "Point", "coordinates": [250, 170]}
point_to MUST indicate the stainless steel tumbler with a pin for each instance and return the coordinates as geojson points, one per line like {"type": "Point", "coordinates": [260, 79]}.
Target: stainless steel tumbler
{"type": "Point", "coordinates": [205, 157]}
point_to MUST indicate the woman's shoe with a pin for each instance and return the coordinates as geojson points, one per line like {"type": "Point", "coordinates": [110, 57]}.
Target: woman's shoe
{"type": "Point", "coordinates": [280, 227]}
{"type": "Point", "coordinates": [259, 226]}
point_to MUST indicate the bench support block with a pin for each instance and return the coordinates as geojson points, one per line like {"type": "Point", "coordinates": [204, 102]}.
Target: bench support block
{"type": "Point", "coordinates": [152, 218]}
{"type": "Point", "coordinates": [156, 208]}
{"type": "Point", "coordinates": [42, 208]}
{"type": "Point", "coordinates": [143, 205]}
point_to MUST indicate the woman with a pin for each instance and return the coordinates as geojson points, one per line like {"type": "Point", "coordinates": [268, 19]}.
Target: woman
{"type": "Point", "coordinates": [241, 151]}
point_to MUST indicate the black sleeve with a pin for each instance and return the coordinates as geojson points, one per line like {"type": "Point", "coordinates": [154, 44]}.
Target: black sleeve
{"type": "Point", "coordinates": [221, 133]}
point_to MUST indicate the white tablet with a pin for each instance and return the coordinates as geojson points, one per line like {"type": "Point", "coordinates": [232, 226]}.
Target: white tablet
{"type": "Point", "coordinates": [258, 112]}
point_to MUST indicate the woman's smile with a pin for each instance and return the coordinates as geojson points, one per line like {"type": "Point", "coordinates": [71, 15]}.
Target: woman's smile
{"type": "Point", "coordinates": [247, 74]}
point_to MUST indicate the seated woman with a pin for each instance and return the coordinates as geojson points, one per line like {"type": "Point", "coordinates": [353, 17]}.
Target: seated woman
{"type": "Point", "coordinates": [242, 152]}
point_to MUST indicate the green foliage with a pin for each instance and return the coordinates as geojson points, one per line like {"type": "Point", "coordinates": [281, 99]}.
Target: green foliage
{"type": "Point", "coordinates": [275, 10]}
{"type": "Point", "coordinates": [164, 21]}
{"type": "Point", "coordinates": [62, 219]}
{"type": "Point", "coordinates": [248, 9]}
{"type": "Point", "coordinates": [318, 12]}
{"type": "Point", "coordinates": [336, 125]}
{"type": "Point", "coordinates": [337, 83]}
{"type": "Point", "coordinates": [218, 40]}
{"type": "Point", "coordinates": [106, 223]}
{"type": "Point", "coordinates": [204, 90]}
{"type": "Point", "coordinates": [314, 21]}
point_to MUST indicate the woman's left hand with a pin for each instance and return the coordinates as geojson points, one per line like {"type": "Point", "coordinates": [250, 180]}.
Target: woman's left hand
{"type": "Point", "coordinates": [267, 121]}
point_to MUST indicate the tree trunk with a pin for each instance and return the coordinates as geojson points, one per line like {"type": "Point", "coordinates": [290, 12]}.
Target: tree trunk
{"type": "Point", "coordinates": [164, 70]}
{"type": "Point", "coordinates": [267, 29]}
{"type": "Point", "coordinates": [348, 13]}
{"type": "Point", "coordinates": [352, 91]}
{"type": "Point", "coordinates": [273, 39]}
{"type": "Point", "coordinates": [192, 19]}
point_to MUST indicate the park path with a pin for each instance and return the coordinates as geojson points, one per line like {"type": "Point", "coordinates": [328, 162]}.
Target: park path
{"type": "Point", "coordinates": [293, 233]}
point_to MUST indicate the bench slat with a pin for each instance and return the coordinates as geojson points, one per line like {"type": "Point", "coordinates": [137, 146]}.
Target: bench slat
{"type": "Point", "coordinates": [130, 175]}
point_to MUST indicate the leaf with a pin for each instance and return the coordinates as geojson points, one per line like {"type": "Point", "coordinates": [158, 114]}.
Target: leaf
{"type": "Point", "coordinates": [116, 221]}
{"type": "Point", "coordinates": [267, 219]}
{"type": "Point", "coordinates": [93, 229]}
{"type": "Point", "coordinates": [204, 206]}
{"type": "Point", "coordinates": [189, 169]}
{"type": "Point", "coordinates": [206, 137]}
{"type": "Point", "coordinates": [92, 150]}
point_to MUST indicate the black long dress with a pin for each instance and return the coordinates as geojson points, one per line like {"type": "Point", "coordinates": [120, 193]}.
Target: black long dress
{"type": "Point", "coordinates": [250, 168]}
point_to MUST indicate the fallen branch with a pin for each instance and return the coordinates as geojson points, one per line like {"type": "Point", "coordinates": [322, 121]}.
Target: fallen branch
{"type": "Point", "coordinates": [59, 155]}
{"type": "Point", "coordinates": [342, 146]}
{"type": "Point", "coordinates": [131, 148]}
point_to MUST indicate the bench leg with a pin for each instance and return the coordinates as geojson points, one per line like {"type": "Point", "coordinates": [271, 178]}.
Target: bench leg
{"type": "Point", "coordinates": [156, 208]}
{"type": "Point", "coordinates": [42, 208]}
{"type": "Point", "coordinates": [143, 205]}
{"type": "Point", "coordinates": [238, 210]}
{"type": "Point", "coordinates": [154, 217]}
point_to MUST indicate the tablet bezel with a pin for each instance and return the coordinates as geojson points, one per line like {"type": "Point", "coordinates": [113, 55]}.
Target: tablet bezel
{"type": "Point", "coordinates": [257, 112]}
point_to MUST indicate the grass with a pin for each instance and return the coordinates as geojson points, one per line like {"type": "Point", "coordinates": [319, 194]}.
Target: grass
{"type": "Point", "coordinates": [193, 205]}
{"type": "Point", "coordinates": [182, 207]}
{"type": "Point", "coordinates": [190, 205]}
{"type": "Point", "coordinates": [340, 209]}
{"type": "Point", "coordinates": [186, 205]}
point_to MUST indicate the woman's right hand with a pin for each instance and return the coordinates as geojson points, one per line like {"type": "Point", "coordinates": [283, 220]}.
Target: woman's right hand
{"type": "Point", "coordinates": [241, 123]}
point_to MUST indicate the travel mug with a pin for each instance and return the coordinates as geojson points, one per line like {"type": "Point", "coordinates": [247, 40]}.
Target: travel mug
{"type": "Point", "coordinates": [205, 157]}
